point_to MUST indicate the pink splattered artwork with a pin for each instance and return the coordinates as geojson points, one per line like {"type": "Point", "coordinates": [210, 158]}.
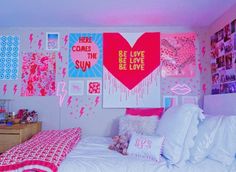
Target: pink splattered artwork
{"type": "Point", "coordinates": [178, 55]}
{"type": "Point", "coordinates": [94, 87]}
{"type": "Point", "coordinates": [65, 39]}
{"type": "Point", "coordinates": [38, 74]}
{"type": "Point", "coordinates": [97, 100]}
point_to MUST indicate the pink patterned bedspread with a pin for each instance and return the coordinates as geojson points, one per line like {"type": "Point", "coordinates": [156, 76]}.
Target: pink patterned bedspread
{"type": "Point", "coordinates": [44, 152]}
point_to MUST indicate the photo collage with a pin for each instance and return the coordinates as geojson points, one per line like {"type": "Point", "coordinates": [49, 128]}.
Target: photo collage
{"type": "Point", "coordinates": [223, 60]}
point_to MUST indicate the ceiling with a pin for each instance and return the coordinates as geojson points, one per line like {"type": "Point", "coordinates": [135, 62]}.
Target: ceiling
{"type": "Point", "coordinates": [100, 13]}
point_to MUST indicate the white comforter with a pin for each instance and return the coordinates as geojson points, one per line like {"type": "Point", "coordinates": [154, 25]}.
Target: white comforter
{"type": "Point", "coordinates": [92, 155]}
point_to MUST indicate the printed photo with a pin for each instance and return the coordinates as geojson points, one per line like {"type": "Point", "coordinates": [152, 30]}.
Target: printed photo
{"type": "Point", "coordinates": [169, 101]}
{"type": "Point", "coordinates": [220, 61]}
{"type": "Point", "coordinates": [222, 76]}
{"type": "Point", "coordinates": [230, 75]}
{"type": "Point", "coordinates": [233, 26]}
{"type": "Point", "coordinates": [228, 46]}
{"type": "Point", "coordinates": [229, 62]}
{"type": "Point", "coordinates": [214, 40]}
{"type": "Point", "coordinates": [216, 78]}
{"type": "Point", "coordinates": [215, 89]}
{"type": "Point", "coordinates": [221, 48]}
{"type": "Point", "coordinates": [52, 41]}
{"type": "Point", "coordinates": [234, 41]}
{"type": "Point", "coordinates": [220, 35]}
{"type": "Point", "coordinates": [214, 53]}
{"type": "Point", "coordinates": [228, 88]}
{"type": "Point", "coordinates": [213, 67]}
{"type": "Point", "coordinates": [227, 32]}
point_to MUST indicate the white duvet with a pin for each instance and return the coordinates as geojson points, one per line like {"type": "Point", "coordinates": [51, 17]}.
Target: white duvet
{"type": "Point", "coordinates": [92, 155]}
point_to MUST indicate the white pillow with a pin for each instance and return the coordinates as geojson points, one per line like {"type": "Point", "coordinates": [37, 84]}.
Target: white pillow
{"type": "Point", "coordinates": [179, 125]}
{"type": "Point", "coordinates": [205, 138]}
{"type": "Point", "coordinates": [224, 147]}
{"type": "Point", "coordinates": [137, 124]}
{"type": "Point", "coordinates": [148, 147]}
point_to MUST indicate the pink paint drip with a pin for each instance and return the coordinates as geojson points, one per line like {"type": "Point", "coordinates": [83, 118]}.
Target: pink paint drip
{"type": "Point", "coordinates": [113, 85]}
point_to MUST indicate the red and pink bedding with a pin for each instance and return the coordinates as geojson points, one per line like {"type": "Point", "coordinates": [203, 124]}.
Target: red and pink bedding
{"type": "Point", "coordinates": [44, 152]}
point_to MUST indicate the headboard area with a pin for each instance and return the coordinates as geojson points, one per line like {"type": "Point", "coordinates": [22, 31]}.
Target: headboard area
{"type": "Point", "coordinates": [220, 104]}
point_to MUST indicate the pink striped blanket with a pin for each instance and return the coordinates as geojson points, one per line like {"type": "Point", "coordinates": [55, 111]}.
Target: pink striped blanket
{"type": "Point", "coordinates": [44, 152]}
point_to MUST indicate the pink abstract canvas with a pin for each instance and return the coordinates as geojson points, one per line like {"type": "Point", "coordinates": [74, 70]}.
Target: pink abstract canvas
{"type": "Point", "coordinates": [38, 74]}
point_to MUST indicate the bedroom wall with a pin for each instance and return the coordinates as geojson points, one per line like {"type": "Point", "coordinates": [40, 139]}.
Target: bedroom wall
{"type": "Point", "coordinates": [226, 18]}
{"type": "Point", "coordinates": [94, 120]}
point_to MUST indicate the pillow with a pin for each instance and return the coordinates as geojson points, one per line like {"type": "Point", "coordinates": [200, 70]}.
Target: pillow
{"type": "Point", "coordinates": [120, 144]}
{"type": "Point", "coordinates": [148, 147]}
{"type": "Point", "coordinates": [205, 138]}
{"type": "Point", "coordinates": [145, 111]}
{"type": "Point", "coordinates": [179, 125]}
{"type": "Point", "coordinates": [224, 147]}
{"type": "Point", "coordinates": [137, 124]}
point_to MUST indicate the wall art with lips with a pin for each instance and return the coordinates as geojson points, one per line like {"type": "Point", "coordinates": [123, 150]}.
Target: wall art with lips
{"type": "Point", "coordinates": [85, 55]}
{"type": "Point", "coordinates": [178, 55]}
{"type": "Point", "coordinates": [131, 73]}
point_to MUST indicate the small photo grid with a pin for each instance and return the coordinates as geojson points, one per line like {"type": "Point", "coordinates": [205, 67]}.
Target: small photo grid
{"type": "Point", "coordinates": [223, 60]}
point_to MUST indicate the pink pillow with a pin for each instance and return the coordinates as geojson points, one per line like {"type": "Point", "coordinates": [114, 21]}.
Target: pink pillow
{"type": "Point", "coordinates": [145, 111]}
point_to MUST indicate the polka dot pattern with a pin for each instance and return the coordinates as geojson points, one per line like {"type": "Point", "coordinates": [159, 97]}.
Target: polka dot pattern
{"type": "Point", "coordinates": [9, 57]}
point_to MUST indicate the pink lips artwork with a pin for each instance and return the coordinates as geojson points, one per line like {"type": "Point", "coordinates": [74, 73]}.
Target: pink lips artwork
{"type": "Point", "coordinates": [181, 89]}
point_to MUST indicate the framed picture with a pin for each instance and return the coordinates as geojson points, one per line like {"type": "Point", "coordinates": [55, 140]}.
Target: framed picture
{"type": "Point", "coordinates": [76, 87]}
{"type": "Point", "coordinates": [52, 41]}
{"type": "Point", "coordinates": [169, 101]}
{"type": "Point", "coordinates": [94, 87]}
{"type": "Point", "coordinates": [189, 100]}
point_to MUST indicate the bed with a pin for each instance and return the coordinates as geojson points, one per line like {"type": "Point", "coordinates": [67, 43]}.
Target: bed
{"type": "Point", "coordinates": [66, 151]}
{"type": "Point", "coordinates": [91, 155]}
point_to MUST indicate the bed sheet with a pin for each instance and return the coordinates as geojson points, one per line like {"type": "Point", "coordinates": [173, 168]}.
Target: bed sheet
{"type": "Point", "coordinates": [92, 155]}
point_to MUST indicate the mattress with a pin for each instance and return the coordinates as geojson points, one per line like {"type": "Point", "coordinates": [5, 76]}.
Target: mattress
{"type": "Point", "coordinates": [91, 154]}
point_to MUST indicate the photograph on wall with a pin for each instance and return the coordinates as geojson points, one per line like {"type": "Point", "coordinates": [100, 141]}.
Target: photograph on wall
{"type": "Point", "coordinates": [52, 41]}
{"type": "Point", "coordinates": [38, 74]}
{"type": "Point", "coordinates": [94, 87]}
{"type": "Point", "coordinates": [190, 100]}
{"type": "Point", "coordinates": [127, 55]}
{"type": "Point", "coordinates": [169, 101]}
{"type": "Point", "coordinates": [85, 55]}
{"type": "Point", "coordinates": [223, 64]}
{"type": "Point", "coordinates": [178, 55]}
{"type": "Point", "coordinates": [9, 61]}
{"type": "Point", "coordinates": [76, 87]}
